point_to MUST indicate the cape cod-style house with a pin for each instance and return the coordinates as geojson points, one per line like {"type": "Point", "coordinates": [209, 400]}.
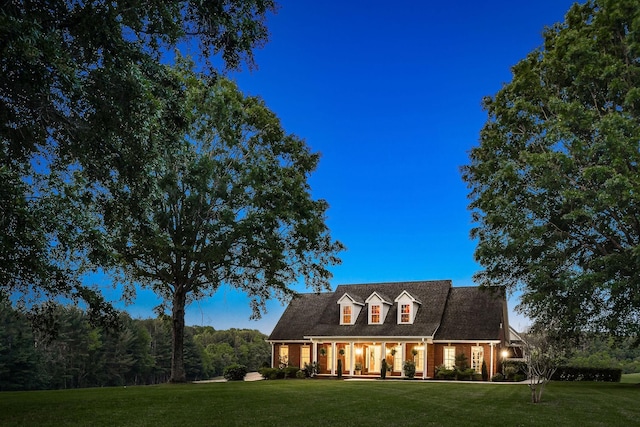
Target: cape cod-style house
{"type": "Point", "coordinates": [428, 322]}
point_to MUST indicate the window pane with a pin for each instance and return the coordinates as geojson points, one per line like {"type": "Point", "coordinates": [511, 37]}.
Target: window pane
{"type": "Point", "coordinates": [449, 357]}
{"type": "Point", "coordinates": [477, 356]}
{"type": "Point", "coordinates": [405, 311]}
{"type": "Point", "coordinates": [346, 314]}
{"type": "Point", "coordinates": [305, 356]}
{"type": "Point", "coordinates": [375, 314]}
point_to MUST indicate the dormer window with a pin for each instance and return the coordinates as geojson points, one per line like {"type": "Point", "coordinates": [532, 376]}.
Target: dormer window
{"type": "Point", "coordinates": [350, 307]}
{"type": "Point", "coordinates": [405, 313]}
{"type": "Point", "coordinates": [378, 308]}
{"type": "Point", "coordinates": [407, 308]}
{"type": "Point", "coordinates": [346, 314]}
{"type": "Point", "coordinates": [375, 313]}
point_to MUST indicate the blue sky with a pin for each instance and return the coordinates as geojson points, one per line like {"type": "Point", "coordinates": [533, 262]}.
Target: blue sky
{"type": "Point", "coordinates": [390, 94]}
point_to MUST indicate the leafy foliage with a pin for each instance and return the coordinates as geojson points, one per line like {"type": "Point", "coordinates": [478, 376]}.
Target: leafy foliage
{"type": "Point", "coordinates": [230, 206]}
{"type": "Point", "coordinates": [85, 107]}
{"type": "Point", "coordinates": [543, 357]}
{"type": "Point", "coordinates": [83, 355]}
{"type": "Point", "coordinates": [409, 368]}
{"type": "Point", "coordinates": [235, 372]}
{"type": "Point", "coordinates": [554, 182]}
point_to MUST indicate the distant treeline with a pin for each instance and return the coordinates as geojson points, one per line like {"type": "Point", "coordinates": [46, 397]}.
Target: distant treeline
{"type": "Point", "coordinates": [139, 352]}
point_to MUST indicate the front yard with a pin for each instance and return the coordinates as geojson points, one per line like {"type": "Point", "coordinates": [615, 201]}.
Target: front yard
{"type": "Point", "coordinates": [327, 403]}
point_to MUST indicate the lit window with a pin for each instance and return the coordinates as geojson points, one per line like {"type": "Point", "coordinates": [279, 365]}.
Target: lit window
{"type": "Point", "coordinates": [449, 357]}
{"type": "Point", "coordinates": [305, 356]}
{"type": "Point", "coordinates": [283, 356]}
{"type": "Point", "coordinates": [375, 314]}
{"type": "Point", "coordinates": [477, 356]}
{"type": "Point", "coordinates": [346, 314]}
{"type": "Point", "coordinates": [405, 311]}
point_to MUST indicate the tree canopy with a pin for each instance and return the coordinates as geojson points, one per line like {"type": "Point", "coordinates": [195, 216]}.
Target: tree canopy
{"type": "Point", "coordinates": [230, 205]}
{"type": "Point", "coordinates": [554, 182]}
{"type": "Point", "coordinates": [85, 106]}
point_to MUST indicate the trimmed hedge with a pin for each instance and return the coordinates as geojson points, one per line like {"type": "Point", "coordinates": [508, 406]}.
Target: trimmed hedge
{"type": "Point", "coordinates": [572, 373]}
{"type": "Point", "coordinates": [278, 374]}
{"type": "Point", "coordinates": [235, 372]}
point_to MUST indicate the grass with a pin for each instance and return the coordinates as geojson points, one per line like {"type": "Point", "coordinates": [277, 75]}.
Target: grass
{"type": "Point", "coordinates": [327, 403]}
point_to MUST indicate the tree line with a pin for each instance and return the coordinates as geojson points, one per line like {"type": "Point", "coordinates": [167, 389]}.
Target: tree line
{"type": "Point", "coordinates": [79, 354]}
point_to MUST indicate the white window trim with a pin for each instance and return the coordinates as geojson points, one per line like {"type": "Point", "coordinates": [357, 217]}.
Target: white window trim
{"type": "Point", "coordinates": [380, 320]}
{"type": "Point", "coordinates": [444, 357]}
{"type": "Point", "coordinates": [479, 349]}
{"type": "Point", "coordinates": [342, 314]}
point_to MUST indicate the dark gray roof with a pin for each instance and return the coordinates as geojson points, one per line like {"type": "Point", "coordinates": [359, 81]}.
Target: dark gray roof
{"type": "Point", "coordinates": [432, 295]}
{"type": "Point", "coordinates": [473, 313]}
{"type": "Point", "coordinates": [302, 312]}
{"type": "Point", "coordinates": [451, 313]}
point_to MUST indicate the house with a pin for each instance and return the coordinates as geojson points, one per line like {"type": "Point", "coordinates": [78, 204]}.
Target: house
{"type": "Point", "coordinates": [428, 322]}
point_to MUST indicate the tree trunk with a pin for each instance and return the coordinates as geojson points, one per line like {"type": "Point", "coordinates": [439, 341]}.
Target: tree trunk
{"type": "Point", "coordinates": [177, 351]}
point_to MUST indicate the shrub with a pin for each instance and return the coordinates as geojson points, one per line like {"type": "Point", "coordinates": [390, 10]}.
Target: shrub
{"type": "Point", "coordinates": [311, 369]}
{"type": "Point", "coordinates": [466, 374]}
{"type": "Point", "coordinates": [519, 377]}
{"type": "Point", "coordinates": [445, 374]}
{"type": "Point", "coordinates": [572, 373]}
{"type": "Point", "coordinates": [301, 374]}
{"type": "Point", "coordinates": [291, 371]}
{"type": "Point", "coordinates": [485, 372]}
{"type": "Point", "coordinates": [409, 369]}
{"type": "Point", "coordinates": [462, 363]}
{"type": "Point", "coordinates": [497, 377]}
{"type": "Point", "coordinates": [383, 369]}
{"type": "Point", "coordinates": [235, 372]}
{"type": "Point", "coordinates": [509, 372]}
{"type": "Point", "coordinates": [268, 373]}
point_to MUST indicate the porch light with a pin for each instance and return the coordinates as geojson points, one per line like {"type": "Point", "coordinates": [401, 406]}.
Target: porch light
{"type": "Point", "coordinates": [505, 354]}
{"type": "Point", "coordinates": [359, 350]}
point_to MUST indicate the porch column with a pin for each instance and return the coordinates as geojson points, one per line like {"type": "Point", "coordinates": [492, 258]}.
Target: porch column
{"type": "Point", "coordinates": [383, 353]}
{"type": "Point", "coordinates": [425, 363]}
{"type": "Point", "coordinates": [351, 357]}
{"type": "Point", "coordinates": [272, 355]}
{"type": "Point", "coordinates": [334, 357]}
{"type": "Point", "coordinates": [402, 356]}
{"type": "Point", "coordinates": [315, 352]}
{"type": "Point", "coordinates": [491, 368]}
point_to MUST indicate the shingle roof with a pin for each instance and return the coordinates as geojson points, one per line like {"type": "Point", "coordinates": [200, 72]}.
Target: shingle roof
{"type": "Point", "coordinates": [302, 312]}
{"type": "Point", "coordinates": [472, 313]}
{"type": "Point", "coordinates": [449, 313]}
{"type": "Point", "coordinates": [432, 294]}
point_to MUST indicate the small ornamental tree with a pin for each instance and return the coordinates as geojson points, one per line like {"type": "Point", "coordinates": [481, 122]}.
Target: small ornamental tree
{"type": "Point", "coordinates": [485, 372]}
{"type": "Point", "coordinates": [543, 358]}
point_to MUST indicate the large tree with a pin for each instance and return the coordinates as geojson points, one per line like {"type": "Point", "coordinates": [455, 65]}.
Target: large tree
{"type": "Point", "coordinates": [231, 206]}
{"type": "Point", "coordinates": [555, 185]}
{"type": "Point", "coordinates": [84, 106]}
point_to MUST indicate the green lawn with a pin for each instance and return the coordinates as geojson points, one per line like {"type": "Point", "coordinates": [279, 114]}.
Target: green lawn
{"type": "Point", "coordinates": [327, 403]}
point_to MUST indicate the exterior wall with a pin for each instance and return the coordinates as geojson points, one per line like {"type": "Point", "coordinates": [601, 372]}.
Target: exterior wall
{"type": "Point", "coordinates": [431, 365]}
{"type": "Point", "coordinates": [294, 354]}
{"type": "Point", "coordinates": [438, 357]}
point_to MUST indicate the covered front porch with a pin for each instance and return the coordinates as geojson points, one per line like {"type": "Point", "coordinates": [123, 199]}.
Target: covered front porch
{"type": "Point", "coordinates": [365, 358]}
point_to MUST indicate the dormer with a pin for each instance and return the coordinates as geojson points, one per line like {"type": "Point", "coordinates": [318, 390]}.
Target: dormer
{"type": "Point", "coordinates": [378, 306]}
{"type": "Point", "coordinates": [350, 307]}
{"type": "Point", "coordinates": [407, 308]}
